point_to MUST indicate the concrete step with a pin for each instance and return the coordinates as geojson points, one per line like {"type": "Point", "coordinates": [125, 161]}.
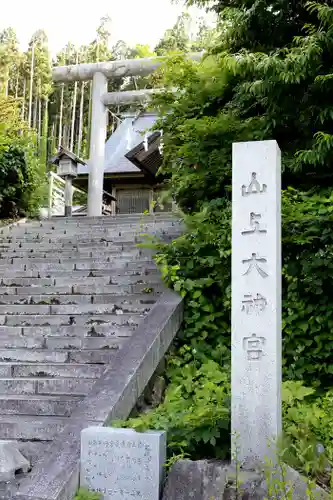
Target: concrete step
{"type": "Point", "coordinates": [30, 247]}
{"type": "Point", "coordinates": [77, 239]}
{"type": "Point", "coordinates": [59, 342]}
{"type": "Point", "coordinates": [49, 370]}
{"type": "Point", "coordinates": [88, 320]}
{"type": "Point", "coordinates": [58, 406]}
{"type": "Point", "coordinates": [128, 225]}
{"type": "Point", "coordinates": [125, 217]}
{"type": "Point", "coordinates": [128, 270]}
{"type": "Point", "coordinates": [28, 281]}
{"type": "Point", "coordinates": [101, 245]}
{"type": "Point", "coordinates": [103, 304]}
{"type": "Point", "coordinates": [30, 428]}
{"type": "Point", "coordinates": [45, 386]}
{"type": "Point", "coordinates": [71, 251]}
{"type": "Point", "coordinates": [57, 257]}
{"type": "Point", "coordinates": [74, 295]}
{"type": "Point", "coordinates": [31, 332]}
{"type": "Point", "coordinates": [96, 356]}
{"type": "Point", "coordinates": [118, 277]}
{"type": "Point", "coordinates": [93, 235]}
{"type": "Point", "coordinates": [85, 342]}
{"type": "Point", "coordinates": [40, 232]}
{"type": "Point", "coordinates": [20, 292]}
{"type": "Point", "coordinates": [112, 219]}
{"type": "Point", "coordinates": [71, 264]}
{"type": "Point", "coordinates": [86, 223]}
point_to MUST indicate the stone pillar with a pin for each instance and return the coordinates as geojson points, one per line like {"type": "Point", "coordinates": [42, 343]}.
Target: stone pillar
{"type": "Point", "coordinates": [256, 301]}
{"type": "Point", "coordinates": [68, 196]}
{"type": "Point", "coordinates": [97, 146]}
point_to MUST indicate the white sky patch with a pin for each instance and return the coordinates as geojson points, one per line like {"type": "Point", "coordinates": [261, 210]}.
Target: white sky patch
{"type": "Point", "coordinates": [134, 21]}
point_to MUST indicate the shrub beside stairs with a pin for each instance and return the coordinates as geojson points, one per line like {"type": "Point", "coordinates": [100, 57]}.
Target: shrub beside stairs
{"type": "Point", "coordinates": [75, 295]}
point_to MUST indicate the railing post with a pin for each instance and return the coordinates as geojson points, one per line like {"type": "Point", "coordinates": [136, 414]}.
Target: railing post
{"type": "Point", "coordinates": [113, 203]}
{"type": "Point", "coordinates": [50, 194]}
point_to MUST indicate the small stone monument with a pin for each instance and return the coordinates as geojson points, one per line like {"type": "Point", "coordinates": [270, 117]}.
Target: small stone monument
{"type": "Point", "coordinates": [123, 464]}
{"type": "Point", "coordinates": [256, 301]}
{"type": "Point", "coordinates": [11, 461]}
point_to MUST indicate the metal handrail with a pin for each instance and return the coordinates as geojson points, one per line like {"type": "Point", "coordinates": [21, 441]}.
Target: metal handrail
{"type": "Point", "coordinates": [56, 193]}
{"type": "Point", "coordinates": [60, 179]}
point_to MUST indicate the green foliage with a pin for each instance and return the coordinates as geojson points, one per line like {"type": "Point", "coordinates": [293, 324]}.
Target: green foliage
{"type": "Point", "coordinates": [261, 26]}
{"type": "Point", "coordinates": [84, 494]}
{"type": "Point", "coordinates": [22, 178]}
{"type": "Point", "coordinates": [278, 90]}
{"type": "Point", "coordinates": [307, 419]}
{"type": "Point", "coordinates": [195, 412]}
{"type": "Point", "coordinates": [225, 99]}
{"type": "Point", "coordinates": [307, 277]}
{"type": "Point", "coordinates": [197, 265]}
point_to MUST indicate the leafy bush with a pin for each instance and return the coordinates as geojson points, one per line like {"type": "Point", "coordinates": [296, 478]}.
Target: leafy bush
{"type": "Point", "coordinates": [307, 281]}
{"type": "Point", "coordinates": [195, 412]}
{"type": "Point", "coordinates": [282, 94]}
{"type": "Point", "coordinates": [307, 443]}
{"type": "Point", "coordinates": [253, 96]}
{"type": "Point", "coordinates": [22, 178]}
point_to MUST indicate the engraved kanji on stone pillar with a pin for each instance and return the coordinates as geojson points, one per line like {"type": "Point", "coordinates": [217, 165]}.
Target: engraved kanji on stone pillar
{"type": "Point", "coordinates": [256, 300]}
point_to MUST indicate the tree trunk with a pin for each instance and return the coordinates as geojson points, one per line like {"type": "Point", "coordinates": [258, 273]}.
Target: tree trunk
{"type": "Point", "coordinates": [16, 86]}
{"type": "Point", "coordinates": [61, 115]}
{"type": "Point", "coordinates": [23, 100]}
{"type": "Point", "coordinates": [79, 142]}
{"type": "Point", "coordinates": [34, 125]}
{"type": "Point", "coordinates": [43, 139]}
{"type": "Point", "coordinates": [66, 136]}
{"type": "Point", "coordinates": [39, 118]}
{"type": "Point", "coordinates": [31, 83]}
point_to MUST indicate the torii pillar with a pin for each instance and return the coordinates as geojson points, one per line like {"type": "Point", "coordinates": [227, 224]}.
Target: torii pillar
{"type": "Point", "coordinates": [99, 73]}
{"type": "Point", "coordinates": [98, 129]}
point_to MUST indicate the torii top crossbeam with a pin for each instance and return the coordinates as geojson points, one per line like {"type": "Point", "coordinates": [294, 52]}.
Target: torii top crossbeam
{"type": "Point", "coordinates": [112, 69]}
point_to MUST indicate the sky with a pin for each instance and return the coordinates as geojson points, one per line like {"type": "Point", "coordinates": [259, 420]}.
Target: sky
{"type": "Point", "coordinates": [134, 21]}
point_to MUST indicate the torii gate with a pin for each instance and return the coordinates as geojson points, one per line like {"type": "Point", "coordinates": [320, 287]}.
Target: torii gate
{"type": "Point", "coordinates": [99, 74]}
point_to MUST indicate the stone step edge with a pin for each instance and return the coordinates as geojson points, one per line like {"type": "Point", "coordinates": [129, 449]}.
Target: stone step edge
{"type": "Point", "coordinates": [42, 397]}
{"type": "Point", "coordinates": [74, 294]}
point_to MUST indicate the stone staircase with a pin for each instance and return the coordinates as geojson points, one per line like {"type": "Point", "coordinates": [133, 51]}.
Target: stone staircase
{"type": "Point", "coordinates": [72, 292]}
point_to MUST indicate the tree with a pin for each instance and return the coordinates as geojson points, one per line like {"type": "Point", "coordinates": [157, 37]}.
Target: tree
{"type": "Point", "coordinates": [261, 25]}
{"type": "Point", "coordinates": [9, 58]}
{"type": "Point", "coordinates": [282, 95]}
{"type": "Point", "coordinates": [22, 176]}
{"type": "Point", "coordinates": [176, 39]}
{"type": "Point", "coordinates": [99, 48]}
